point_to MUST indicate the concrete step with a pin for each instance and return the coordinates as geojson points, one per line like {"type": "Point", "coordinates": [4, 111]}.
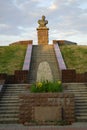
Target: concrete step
{"type": "Point", "coordinates": [76, 90]}
{"type": "Point", "coordinates": [9, 104]}
{"type": "Point", "coordinates": [81, 114]}
{"type": "Point", "coordinates": [80, 101]}
{"type": "Point", "coordinates": [9, 108]}
{"type": "Point", "coordinates": [80, 92]}
{"type": "Point", "coordinates": [8, 101]}
{"type": "Point", "coordinates": [80, 98]}
{"type": "Point", "coordinates": [81, 104]}
{"type": "Point", "coordinates": [81, 118]}
{"type": "Point", "coordinates": [10, 97]}
{"type": "Point", "coordinates": [9, 120]}
{"type": "Point", "coordinates": [13, 111]}
{"type": "Point", "coordinates": [7, 115]}
{"type": "Point", "coordinates": [81, 107]}
{"type": "Point", "coordinates": [77, 94]}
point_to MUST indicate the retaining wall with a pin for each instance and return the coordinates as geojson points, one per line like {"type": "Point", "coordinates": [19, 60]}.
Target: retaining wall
{"type": "Point", "coordinates": [20, 76]}
{"type": "Point", "coordinates": [46, 108]}
{"type": "Point", "coordinates": [22, 42]}
{"type": "Point", "coordinates": [70, 76]}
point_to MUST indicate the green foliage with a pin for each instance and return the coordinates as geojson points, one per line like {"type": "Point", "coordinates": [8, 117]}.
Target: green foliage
{"type": "Point", "coordinates": [75, 57]}
{"type": "Point", "coordinates": [47, 86]}
{"type": "Point", "coordinates": [11, 58]}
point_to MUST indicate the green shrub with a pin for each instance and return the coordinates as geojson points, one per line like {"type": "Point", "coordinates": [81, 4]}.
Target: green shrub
{"type": "Point", "coordinates": [46, 86]}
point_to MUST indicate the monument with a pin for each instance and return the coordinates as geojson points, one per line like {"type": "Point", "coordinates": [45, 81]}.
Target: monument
{"type": "Point", "coordinates": [42, 31]}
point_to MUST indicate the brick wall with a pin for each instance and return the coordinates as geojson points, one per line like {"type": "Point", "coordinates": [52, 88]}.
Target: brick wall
{"type": "Point", "coordinates": [22, 42]}
{"type": "Point", "coordinates": [10, 79]}
{"type": "Point", "coordinates": [3, 77]}
{"type": "Point", "coordinates": [63, 42]}
{"type": "Point", "coordinates": [21, 76]}
{"type": "Point", "coordinates": [70, 75]}
{"type": "Point", "coordinates": [41, 107]}
{"type": "Point", "coordinates": [80, 78]}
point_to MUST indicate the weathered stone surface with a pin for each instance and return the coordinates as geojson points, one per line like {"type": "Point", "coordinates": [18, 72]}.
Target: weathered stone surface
{"type": "Point", "coordinates": [47, 113]}
{"type": "Point", "coordinates": [44, 72]}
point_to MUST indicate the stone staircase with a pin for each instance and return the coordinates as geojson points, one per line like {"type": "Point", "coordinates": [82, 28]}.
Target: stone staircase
{"type": "Point", "coordinates": [80, 92]}
{"type": "Point", "coordinates": [40, 54]}
{"type": "Point", "coordinates": [9, 104]}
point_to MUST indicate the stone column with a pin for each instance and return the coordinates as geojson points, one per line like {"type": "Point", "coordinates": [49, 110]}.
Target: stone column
{"type": "Point", "coordinates": [42, 31]}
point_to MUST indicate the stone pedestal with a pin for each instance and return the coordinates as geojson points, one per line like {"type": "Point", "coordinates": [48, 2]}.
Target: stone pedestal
{"type": "Point", "coordinates": [42, 33]}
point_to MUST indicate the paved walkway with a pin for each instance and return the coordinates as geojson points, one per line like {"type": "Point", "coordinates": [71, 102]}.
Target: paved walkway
{"type": "Point", "coordinates": [75, 126]}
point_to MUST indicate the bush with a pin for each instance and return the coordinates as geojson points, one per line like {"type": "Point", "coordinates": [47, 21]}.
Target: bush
{"type": "Point", "coordinates": [46, 86]}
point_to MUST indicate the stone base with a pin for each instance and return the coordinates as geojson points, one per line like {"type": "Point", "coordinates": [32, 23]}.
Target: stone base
{"type": "Point", "coordinates": [42, 35]}
{"type": "Point", "coordinates": [46, 108]}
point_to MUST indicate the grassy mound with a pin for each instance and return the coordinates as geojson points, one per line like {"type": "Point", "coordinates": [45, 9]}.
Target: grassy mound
{"type": "Point", "coordinates": [11, 58]}
{"type": "Point", "coordinates": [75, 57]}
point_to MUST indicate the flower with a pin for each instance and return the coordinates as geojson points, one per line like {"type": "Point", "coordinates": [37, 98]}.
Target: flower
{"type": "Point", "coordinates": [39, 85]}
{"type": "Point", "coordinates": [59, 82]}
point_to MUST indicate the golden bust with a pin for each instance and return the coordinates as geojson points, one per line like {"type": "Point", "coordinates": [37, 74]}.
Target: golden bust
{"type": "Point", "coordinates": [42, 22]}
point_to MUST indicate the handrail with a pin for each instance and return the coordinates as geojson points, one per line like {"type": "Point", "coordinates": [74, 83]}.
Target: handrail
{"type": "Point", "coordinates": [26, 65]}
{"type": "Point", "coordinates": [59, 57]}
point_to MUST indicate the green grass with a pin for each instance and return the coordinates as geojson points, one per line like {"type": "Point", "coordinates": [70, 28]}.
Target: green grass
{"type": "Point", "coordinates": [75, 57]}
{"type": "Point", "coordinates": [11, 58]}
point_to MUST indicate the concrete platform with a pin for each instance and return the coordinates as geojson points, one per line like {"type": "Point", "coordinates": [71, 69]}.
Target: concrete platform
{"type": "Point", "coordinates": [74, 126]}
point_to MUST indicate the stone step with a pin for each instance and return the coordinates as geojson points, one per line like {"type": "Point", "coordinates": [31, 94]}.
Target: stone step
{"type": "Point", "coordinates": [7, 93]}
{"type": "Point", "coordinates": [10, 98]}
{"type": "Point", "coordinates": [13, 92]}
{"type": "Point", "coordinates": [13, 111]}
{"type": "Point", "coordinates": [77, 94]}
{"type": "Point", "coordinates": [81, 104]}
{"type": "Point", "coordinates": [9, 108]}
{"type": "Point", "coordinates": [9, 120]}
{"type": "Point", "coordinates": [81, 110]}
{"type": "Point", "coordinates": [9, 101]}
{"type": "Point", "coordinates": [14, 89]}
{"type": "Point", "coordinates": [45, 53]}
{"type": "Point", "coordinates": [16, 86]}
{"type": "Point", "coordinates": [80, 98]}
{"type": "Point", "coordinates": [76, 90]}
{"type": "Point", "coordinates": [81, 114]}
{"type": "Point", "coordinates": [9, 105]}
{"type": "Point", "coordinates": [80, 107]}
{"type": "Point", "coordinates": [81, 118]}
{"type": "Point", "coordinates": [7, 115]}
{"type": "Point", "coordinates": [80, 93]}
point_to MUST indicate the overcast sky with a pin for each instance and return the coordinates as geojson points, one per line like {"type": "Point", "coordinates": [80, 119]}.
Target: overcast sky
{"type": "Point", "coordinates": [67, 20]}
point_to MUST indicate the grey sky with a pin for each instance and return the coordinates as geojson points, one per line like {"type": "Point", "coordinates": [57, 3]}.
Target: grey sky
{"type": "Point", "coordinates": [67, 20]}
